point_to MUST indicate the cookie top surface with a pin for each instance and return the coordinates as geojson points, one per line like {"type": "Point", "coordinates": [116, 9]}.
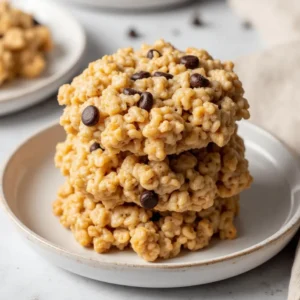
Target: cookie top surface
{"type": "Point", "coordinates": [155, 101]}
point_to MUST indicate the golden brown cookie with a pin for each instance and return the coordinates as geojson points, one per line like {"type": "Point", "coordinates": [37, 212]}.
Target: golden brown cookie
{"type": "Point", "coordinates": [152, 235]}
{"type": "Point", "coordinates": [23, 44]}
{"type": "Point", "coordinates": [188, 181]}
{"type": "Point", "coordinates": [155, 101]}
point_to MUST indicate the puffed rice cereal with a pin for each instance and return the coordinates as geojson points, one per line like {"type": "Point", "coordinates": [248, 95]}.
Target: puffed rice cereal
{"type": "Point", "coordinates": [155, 101]}
{"type": "Point", "coordinates": [152, 235]}
{"type": "Point", "coordinates": [152, 156]}
{"type": "Point", "coordinates": [188, 181]}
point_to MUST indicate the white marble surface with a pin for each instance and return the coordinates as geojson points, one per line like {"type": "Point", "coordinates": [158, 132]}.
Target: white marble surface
{"type": "Point", "coordinates": [24, 275]}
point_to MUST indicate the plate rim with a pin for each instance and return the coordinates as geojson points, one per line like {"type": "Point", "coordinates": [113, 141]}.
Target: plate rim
{"type": "Point", "coordinates": [57, 76]}
{"type": "Point", "coordinates": [116, 5]}
{"type": "Point", "coordinates": [286, 229]}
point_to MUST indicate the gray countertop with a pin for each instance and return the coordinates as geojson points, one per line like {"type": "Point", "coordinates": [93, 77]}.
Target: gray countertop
{"type": "Point", "coordinates": [23, 274]}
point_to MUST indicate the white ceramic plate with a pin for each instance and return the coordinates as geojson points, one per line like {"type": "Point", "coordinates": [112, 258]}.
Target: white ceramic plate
{"type": "Point", "coordinates": [128, 4]}
{"type": "Point", "coordinates": [270, 214]}
{"type": "Point", "coordinates": [63, 62]}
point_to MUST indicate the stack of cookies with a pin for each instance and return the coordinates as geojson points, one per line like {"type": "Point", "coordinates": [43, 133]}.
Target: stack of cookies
{"type": "Point", "coordinates": [152, 157]}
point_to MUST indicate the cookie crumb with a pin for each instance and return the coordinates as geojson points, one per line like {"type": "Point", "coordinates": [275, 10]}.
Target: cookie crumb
{"type": "Point", "coordinates": [197, 22]}
{"type": "Point", "coordinates": [247, 25]}
{"type": "Point", "coordinates": [132, 33]}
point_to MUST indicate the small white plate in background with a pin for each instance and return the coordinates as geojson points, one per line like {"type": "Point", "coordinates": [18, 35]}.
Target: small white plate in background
{"type": "Point", "coordinates": [64, 61]}
{"type": "Point", "coordinates": [128, 4]}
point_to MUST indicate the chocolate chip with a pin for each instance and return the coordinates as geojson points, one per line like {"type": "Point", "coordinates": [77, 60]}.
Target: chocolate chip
{"type": "Point", "coordinates": [155, 217]}
{"type": "Point", "coordinates": [197, 22]}
{"type": "Point", "coordinates": [132, 33]}
{"type": "Point", "coordinates": [247, 25]}
{"type": "Point", "coordinates": [36, 22]}
{"type": "Point", "coordinates": [146, 101]}
{"type": "Point", "coordinates": [198, 81]}
{"type": "Point", "coordinates": [150, 53]}
{"type": "Point", "coordinates": [90, 116]}
{"type": "Point", "coordinates": [95, 146]}
{"type": "Point", "coordinates": [190, 61]}
{"type": "Point", "coordinates": [140, 75]}
{"type": "Point", "coordinates": [163, 74]}
{"type": "Point", "coordinates": [1, 36]}
{"type": "Point", "coordinates": [130, 91]}
{"type": "Point", "coordinates": [149, 199]}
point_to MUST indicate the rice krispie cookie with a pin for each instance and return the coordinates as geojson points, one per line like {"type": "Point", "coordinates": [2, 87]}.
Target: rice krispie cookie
{"type": "Point", "coordinates": [155, 101]}
{"type": "Point", "coordinates": [152, 235]}
{"type": "Point", "coordinates": [23, 44]}
{"type": "Point", "coordinates": [189, 181]}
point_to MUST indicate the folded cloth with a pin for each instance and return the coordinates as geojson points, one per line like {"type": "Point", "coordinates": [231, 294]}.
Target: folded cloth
{"type": "Point", "coordinates": [294, 288]}
{"type": "Point", "coordinates": [278, 21]}
{"type": "Point", "coordinates": [272, 83]}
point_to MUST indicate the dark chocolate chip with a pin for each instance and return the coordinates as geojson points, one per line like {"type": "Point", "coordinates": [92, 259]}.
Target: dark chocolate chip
{"type": "Point", "coordinates": [95, 146]}
{"type": "Point", "coordinates": [190, 61]}
{"type": "Point", "coordinates": [163, 74]}
{"type": "Point", "coordinates": [247, 25]}
{"type": "Point", "coordinates": [90, 116]}
{"type": "Point", "coordinates": [149, 199]}
{"type": "Point", "coordinates": [130, 91]}
{"type": "Point", "coordinates": [198, 81]}
{"type": "Point", "coordinates": [146, 101]}
{"type": "Point", "coordinates": [36, 22]}
{"type": "Point", "coordinates": [150, 53]}
{"type": "Point", "coordinates": [197, 22]}
{"type": "Point", "coordinates": [1, 36]}
{"type": "Point", "coordinates": [140, 75]}
{"type": "Point", "coordinates": [155, 217]}
{"type": "Point", "coordinates": [132, 33]}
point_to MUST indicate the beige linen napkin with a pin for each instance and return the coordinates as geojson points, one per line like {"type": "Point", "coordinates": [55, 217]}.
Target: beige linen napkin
{"type": "Point", "coordinates": [294, 288]}
{"type": "Point", "coordinates": [278, 21]}
{"type": "Point", "coordinates": [272, 79]}
{"type": "Point", "coordinates": [272, 83]}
